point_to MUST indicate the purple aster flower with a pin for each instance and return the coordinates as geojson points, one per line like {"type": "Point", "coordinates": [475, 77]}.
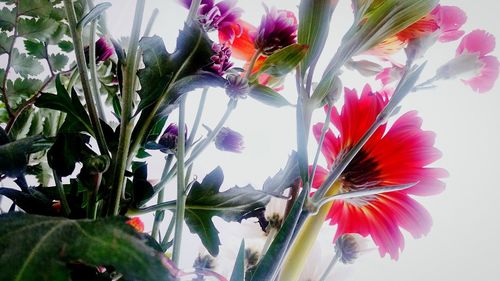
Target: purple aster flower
{"type": "Point", "coordinates": [237, 87]}
{"type": "Point", "coordinates": [220, 58]}
{"type": "Point", "coordinates": [168, 141]}
{"type": "Point", "coordinates": [229, 140]}
{"type": "Point", "coordinates": [278, 29]}
{"type": "Point", "coordinates": [214, 16]}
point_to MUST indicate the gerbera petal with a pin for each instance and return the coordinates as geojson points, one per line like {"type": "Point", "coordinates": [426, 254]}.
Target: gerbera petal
{"type": "Point", "coordinates": [477, 41]}
{"type": "Point", "coordinates": [319, 176]}
{"type": "Point", "coordinates": [239, 36]}
{"type": "Point", "coordinates": [489, 74]}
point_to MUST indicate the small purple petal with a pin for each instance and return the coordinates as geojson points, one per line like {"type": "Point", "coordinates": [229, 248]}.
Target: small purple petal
{"type": "Point", "coordinates": [278, 29]}
{"type": "Point", "coordinates": [169, 139]}
{"type": "Point", "coordinates": [229, 140]}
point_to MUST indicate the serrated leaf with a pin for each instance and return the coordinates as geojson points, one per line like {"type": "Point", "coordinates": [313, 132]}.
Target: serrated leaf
{"type": "Point", "coordinates": [35, 48]}
{"type": "Point", "coordinates": [267, 96]}
{"type": "Point", "coordinates": [34, 7]}
{"type": "Point", "coordinates": [58, 61]}
{"type": "Point", "coordinates": [314, 26]}
{"type": "Point", "coordinates": [65, 46]}
{"type": "Point", "coordinates": [77, 119]}
{"type": "Point", "coordinates": [25, 65]}
{"type": "Point", "coordinates": [42, 172]}
{"type": "Point", "coordinates": [285, 177]}
{"type": "Point", "coordinates": [206, 201]}
{"type": "Point", "coordinates": [22, 89]}
{"type": "Point", "coordinates": [15, 154]}
{"type": "Point", "coordinates": [7, 19]}
{"type": "Point", "coordinates": [93, 14]}
{"type": "Point", "coordinates": [49, 243]}
{"type": "Point", "coordinates": [41, 28]}
{"type": "Point", "coordinates": [5, 43]}
{"type": "Point", "coordinates": [285, 60]}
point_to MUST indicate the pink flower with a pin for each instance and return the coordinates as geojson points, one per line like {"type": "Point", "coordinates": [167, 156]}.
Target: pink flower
{"type": "Point", "coordinates": [449, 19]}
{"type": "Point", "coordinates": [390, 74]}
{"type": "Point", "coordinates": [472, 63]}
{"type": "Point", "coordinates": [394, 155]}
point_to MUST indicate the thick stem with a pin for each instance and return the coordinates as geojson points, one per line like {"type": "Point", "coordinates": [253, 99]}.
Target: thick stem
{"type": "Point", "coordinates": [126, 124]}
{"type": "Point", "coordinates": [300, 249]}
{"type": "Point", "coordinates": [181, 186]}
{"type": "Point", "coordinates": [76, 35]}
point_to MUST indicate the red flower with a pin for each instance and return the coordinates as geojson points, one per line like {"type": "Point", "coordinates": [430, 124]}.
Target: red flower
{"type": "Point", "coordinates": [393, 156]}
{"type": "Point", "coordinates": [136, 223]}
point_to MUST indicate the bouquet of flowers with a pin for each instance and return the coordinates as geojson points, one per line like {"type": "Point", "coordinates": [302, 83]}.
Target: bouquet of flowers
{"type": "Point", "coordinates": [87, 117]}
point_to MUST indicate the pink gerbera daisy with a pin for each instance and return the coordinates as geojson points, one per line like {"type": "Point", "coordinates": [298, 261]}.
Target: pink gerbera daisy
{"type": "Point", "coordinates": [394, 155]}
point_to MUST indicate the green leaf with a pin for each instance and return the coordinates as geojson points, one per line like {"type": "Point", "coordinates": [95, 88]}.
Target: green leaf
{"type": "Point", "coordinates": [35, 7]}
{"type": "Point", "coordinates": [329, 86]}
{"type": "Point", "coordinates": [314, 26]}
{"type": "Point", "coordinates": [65, 46]}
{"type": "Point", "coordinates": [93, 14]}
{"type": "Point", "coordinates": [285, 60]}
{"type": "Point", "coordinates": [285, 177]}
{"type": "Point", "coordinates": [50, 243]}
{"type": "Point", "coordinates": [7, 19]}
{"type": "Point", "coordinates": [41, 28]}
{"type": "Point", "coordinates": [22, 89]}
{"type": "Point", "coordinates": [25, 65]}
{"type": "Point", "coordinates": [270, 263]}
{"type": "Point", "coordinates": [77, 119]}
{"type": "Point", "coordinates": [267, 96]}
{"type": "Point", "coordinates": [205, 201]}
{"type": "Point", "coordinates": [67, 150]}
{"type": "Point", "coordinates": [58, 61]}
{"type": "Point", "coordinates": [15, 154]}
{"type": "Point", "coordinates": [29, 200]}
{"type": "Point", "coordinates": [239, 265]}
{"type": "Point", "coordinates": [5, 43]}
{"type": "Point", "coordinates": [35, 48]}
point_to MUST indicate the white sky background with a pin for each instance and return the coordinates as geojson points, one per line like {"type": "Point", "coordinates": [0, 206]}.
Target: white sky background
{"type": "Point", "coordinates": [463, 243]}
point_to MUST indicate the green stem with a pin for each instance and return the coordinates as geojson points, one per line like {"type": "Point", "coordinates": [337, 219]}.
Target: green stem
{"type": "Point", "coordinates": [167, 235]}
{"type": "Point", "coordinates": [72, 80]}
{"type": "Point", "coordinates": [193, 10]}
{"type": "Point", "coordinates": [93, 68]}
{"type": "Point", "coordinates": [330, 266]}
{"type": "Point", "coordinates": [76, 35]}
{"type": "Point", "coordinates": [161, 197]}
{"type": "Point", "coordinates": [126, 124]}
{"type": "Point", "coordinates": [326, 125]}
{"type": "Point", "coordinates": [197, 119]}
{"type": "Point", "coordinates": [181, 186]}
{"type": "Point", "coordinates": [62, 196]}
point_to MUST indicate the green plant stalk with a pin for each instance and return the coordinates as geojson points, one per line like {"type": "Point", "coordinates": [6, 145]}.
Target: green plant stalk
{"type": "Point", "coordinates": [197, 119]}
{"type": "Point", "coordinates": [161, 197]}
{"type": "Point", "coordinates": [62, 196]}
{"type": "Point", "coordinates": [326, 125]}
{"type": "Point", "coordinates": [330, 266]}
{"type": "Point", "coordinates": [181, 186]}
{"type": "Point", "coordinates": [166, 237]}
{"type": "Point", "coordinates": [93, 69]}
{"type": "Point", "coordinates": [299, 252]}
{"type": "Point", "coordinates": [76, 35]}
{"type": "Point", "coordinates": [72, 80]}
{"type": "Point", "coordinates": [126, 124]}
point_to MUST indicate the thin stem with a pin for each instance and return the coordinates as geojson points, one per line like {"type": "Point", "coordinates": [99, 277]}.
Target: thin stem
{"type": "Point", "coordinates": [47, 59]}
{"type": "Point", "coordinates": [93, 68]}
{"type": "Point", "coordinates": [197, 119]}
{"type": "Point", "coordinates": [62, 196]}
{"type": "Point", "coordinates": [181, 186]}
{"type": "Point", "coordinates": [76, 35]}
{"type": "Point", "coordinates": [72, 80]}
{"type": "Point", "coordinates": [147, 30]}
{"type": "Point", "coordinates": [330, 266]}
{"type": "Point", "coordinates": [161, 197]}
{"type": "Point", "coordinates": [167, 235]}
{"type": "Point", "coordinates": [326, 125]}
{"type": "Point", "coordinates": [126, 124]}
{"type": "Point", "coordinates": [193, 10]}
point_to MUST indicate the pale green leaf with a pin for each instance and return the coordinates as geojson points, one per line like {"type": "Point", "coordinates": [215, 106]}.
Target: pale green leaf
{"type": "Point", "coordinates": [25, 65]}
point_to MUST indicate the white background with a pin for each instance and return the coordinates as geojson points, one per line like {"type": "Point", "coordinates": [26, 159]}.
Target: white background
{"type": "Point", "coordinates": [463, 243]}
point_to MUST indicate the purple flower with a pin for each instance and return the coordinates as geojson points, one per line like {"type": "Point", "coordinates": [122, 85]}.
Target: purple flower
{"type": "Point", "coordinates": [229, 140]}
{"type": "Point", "coordinates": [278, 29]}
{"type": "Point", "coordinates": [237, 87]}
{"type": "Point", "coordinates": [220, 59]}
{"type": "Point", "coordinates": [103, 50]}
{"type": "Point", "coordinates": [214, 16]}
{"type": "Point", "coordinates": [168, 141]}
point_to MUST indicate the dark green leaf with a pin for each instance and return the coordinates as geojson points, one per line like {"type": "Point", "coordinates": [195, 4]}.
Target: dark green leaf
{"type": "Point", "coordinates": [7, 19]}
{"type": "Point", "coordinates": [205, 201]}
{"type": "Point", "coordinates": [41, 28]}
{"type": "Point", "coordinates": [270, 263]}
{"type": "Point", "coordinates": [66, 46]}
{"type": "Point", "coordinates": [5, 43]}
{"type": "Point", "coordinates": [93, 14]}
{"type": "Point", "coordinates": [14, 155]}
{"type": "Point", "coordinates": [285, 60]}
{"type": "Point", "coordinates": [142, 188]}
{"type": "Point", "coordinates": [35, 48]}
{"type": "Point", "coordinates": [49, 243]}
{"type": "Point", "coordinates": [267, 96]}
{"type": "Point", "coordinates": [66, 152]}
{"type": "Point", "coordinates": [30, 201]}
{"type": "Point", "coordinates": [58, 61]}
{"type": "Point", "coordinates": [25, 65]}
{"type": "Point", "coordinates": [34, 7]}
{"type": "Point", "coordinates": [314, 25]}
{"type": "Point", "coordinates": [77, 119]}
{"type": "Point", "coordinates": [239, 265]}
{"type": "Point", "coordinates": [285, 177]}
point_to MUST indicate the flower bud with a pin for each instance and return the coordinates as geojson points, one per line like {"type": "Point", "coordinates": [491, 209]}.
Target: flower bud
{"type": "Point", "coordinates": [237, 87]}
{"type": "Point", "coordinates": [347, 248]}
{"type": "Point", "coordinates": [168, 141]}
{"type": "Point", "coordinates": [229, 140]}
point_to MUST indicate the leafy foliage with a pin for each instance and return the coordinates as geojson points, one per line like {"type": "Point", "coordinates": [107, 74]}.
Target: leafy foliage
{"type": "Point", "coordinates": [15, 154]}
{"type": "Point", "coordinates": [206, 201]}
{"type": "Point", "coordinates": [267, 96]}
{"type": "Point", "coordinates": [50, 244]}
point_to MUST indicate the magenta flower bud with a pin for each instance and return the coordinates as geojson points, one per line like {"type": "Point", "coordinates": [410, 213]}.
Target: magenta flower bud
{"type": "Point", "coordinates": [103, 50]}
{"type": "Point", "coordinates": [278, 29]}
{"type": "Point", "coordinates": [237, 87]}
{"type": "Point", "coordinates": [229, 140]}
{"type": "Point", "coordinates": [221, 58]}
{"type": "Point", "coordinates": [168, 141]}
{"type": "Point", "coordinates": [214, 16]}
